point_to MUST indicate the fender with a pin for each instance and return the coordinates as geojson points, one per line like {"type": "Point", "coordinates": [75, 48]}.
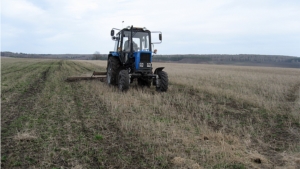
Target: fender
{"type": "Point", "coordinates": [157, 70]}
{"type": "Point", "coordinates": [112, 53]}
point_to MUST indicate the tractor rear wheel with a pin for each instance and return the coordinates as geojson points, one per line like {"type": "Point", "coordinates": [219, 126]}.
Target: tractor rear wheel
{"type": "Point", "coordinates": [163, 84]}
{"type": "Point", "coordinates": [113, 65]}
{"type": "Point", "coordinates": [123, 80]}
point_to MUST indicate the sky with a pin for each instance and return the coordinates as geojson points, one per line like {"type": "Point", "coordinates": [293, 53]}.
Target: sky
{"type": "Point", "coordinates": [269, 27]}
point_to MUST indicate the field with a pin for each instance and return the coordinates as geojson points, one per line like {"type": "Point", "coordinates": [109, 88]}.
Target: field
{"type": "Point", "coordinates": [211, 117]}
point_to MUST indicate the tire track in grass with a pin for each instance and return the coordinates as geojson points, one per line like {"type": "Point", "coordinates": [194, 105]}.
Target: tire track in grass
{"type": "Point", "coordinates": [82, 66]}
{"type": "Point", "coordinates": [88, 135]}
{"type": "Point", "coordinates": [101, 132]}
{"type": "Point", "coordinates": [18, 74]}
{"type": "Point", "coordinates": [13, 115]}
{"type": "Point", "coordinates": [101, 142]}
{"type": "Point", "coordinates": [7, 65]}
{"type": "Point", "coordinates": [13, 71]}
{"type": "Point", "coordinates": [31, 71]}
{"type": "Point", "coordinates": [82, 143]}
{"type": "Point", "coordinates": [52, 120]}
{"type": "Point", "coordinates": [33, 89]}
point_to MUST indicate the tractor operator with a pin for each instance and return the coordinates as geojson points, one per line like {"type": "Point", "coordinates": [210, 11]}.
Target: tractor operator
{"type": "Point", "coordinates": [127, 45]}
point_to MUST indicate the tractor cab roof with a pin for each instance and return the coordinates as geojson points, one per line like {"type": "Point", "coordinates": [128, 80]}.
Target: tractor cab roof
{"type": "Point", "coordinates": [138, 29]}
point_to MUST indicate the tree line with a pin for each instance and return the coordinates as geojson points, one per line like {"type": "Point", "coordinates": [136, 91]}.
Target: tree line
{"type": "Point", "coordinates": [242, 59]}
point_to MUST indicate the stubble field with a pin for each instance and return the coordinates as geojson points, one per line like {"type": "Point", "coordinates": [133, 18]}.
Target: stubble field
{"type": "Point", "coordinates": [211, 117]}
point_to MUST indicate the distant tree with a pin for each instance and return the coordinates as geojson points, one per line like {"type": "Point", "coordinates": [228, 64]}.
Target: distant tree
{"type": "Point", "coordinates": [96, 56]}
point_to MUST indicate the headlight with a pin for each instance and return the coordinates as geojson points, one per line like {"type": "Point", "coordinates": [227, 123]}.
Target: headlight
{"type": "Point", "coordinates": [141, 64]}
{"type": "Point", "coordinates": [149, 64]}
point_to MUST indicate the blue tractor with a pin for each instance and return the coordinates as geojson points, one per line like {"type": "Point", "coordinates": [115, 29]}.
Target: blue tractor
{"type": "Point", "coordinates": [132, 59]}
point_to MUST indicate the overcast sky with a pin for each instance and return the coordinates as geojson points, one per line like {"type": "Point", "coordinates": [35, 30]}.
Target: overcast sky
{"type": "Point", "coordinates": [188, 26]}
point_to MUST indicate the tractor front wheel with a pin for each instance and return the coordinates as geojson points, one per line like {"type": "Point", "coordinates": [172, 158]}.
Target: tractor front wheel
{"type": "Point", "coordinates": [123, 80]}
{"type": "Point", "coordinates": [163, 81]}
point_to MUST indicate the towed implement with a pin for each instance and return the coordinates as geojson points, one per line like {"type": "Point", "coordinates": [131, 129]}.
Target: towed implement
{"type": "Point", "coordinates": [96, 75]}
{"type": "Point", "coordinates": [131, 60]}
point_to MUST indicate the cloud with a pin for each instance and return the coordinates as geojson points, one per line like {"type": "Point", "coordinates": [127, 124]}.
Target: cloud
{"type": "Point", "coordinates": [10, 31]}
{"type": "Point", "coordinates": [59, 37]}
{"type": "Point", "coordinates": [77, 8]}
{"type": "Point", "coordinates": [21, 10]}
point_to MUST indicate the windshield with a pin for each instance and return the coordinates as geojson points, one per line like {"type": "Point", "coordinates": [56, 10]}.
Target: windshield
{"type": "Point", "coordinates": [140, 41]}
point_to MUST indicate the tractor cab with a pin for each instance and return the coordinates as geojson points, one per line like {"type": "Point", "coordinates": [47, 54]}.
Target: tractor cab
{"type": "Point", "coordinates": [139, 41]}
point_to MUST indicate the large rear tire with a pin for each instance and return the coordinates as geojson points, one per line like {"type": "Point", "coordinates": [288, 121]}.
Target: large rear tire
{"type": "Point", "coordinates": [164, 81]}
{"type": "Point", "coordinates": [113, 65]}
{"type": "Point", "coordinates": [123, 80]}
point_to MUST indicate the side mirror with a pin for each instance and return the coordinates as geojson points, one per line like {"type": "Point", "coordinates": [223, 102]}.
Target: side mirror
{"type": "Point", "coordinates": [155, 51]}
{"type": "Point", "coordinates": [112, 33]}
{"type": "Point", "coordinates": [115, 38]}
{"type": "Point", "coordinates": [160, 36]}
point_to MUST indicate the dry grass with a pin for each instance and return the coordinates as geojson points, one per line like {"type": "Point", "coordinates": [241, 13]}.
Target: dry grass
{"type": "Point", "coordinates": [25, 136]}
{"type": "Point", "coordinates": [211, 117]}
